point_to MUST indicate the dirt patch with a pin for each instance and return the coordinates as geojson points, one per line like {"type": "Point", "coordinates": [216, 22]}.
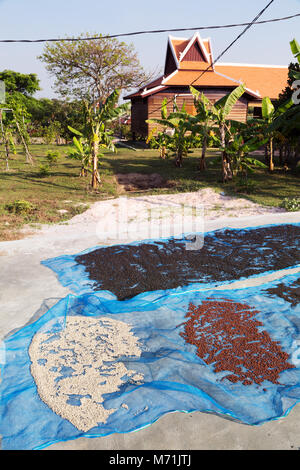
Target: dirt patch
{"type": "Point", "coordinates": [227, 255]}
{"type": "Point", "coordinates": [227, 335]}
{"type": "Point", "coordinates": [138, 181]}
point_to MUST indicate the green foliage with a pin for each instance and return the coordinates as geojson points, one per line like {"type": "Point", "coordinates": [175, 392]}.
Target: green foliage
{"type": "Point", "coordinates": [180, 123]}
{"type": "Point", "coordinates": [52, 132]}
{"type": "Point", "coordinates": [44, 112]}
{"type": "Point", "coordinates": [291, 204]}
{"type": "Point", "coordinates": [96, 134]}
{"type": "Point", "coordinates": [245, 186]}
{"type": "Point", "coordinates": [81, 152]}
{"type": "Point", "coordinates": [268, 109]}
{"type": "Point", "coordinates": [20, 207]}
{"type": "Point", "coordinates": [223, 107]}
{"type": "Point", "coordinates": [295, 48]}
{"type": "Point", "coordinates": [93, 69]}
{"type": "Point", "coordinates": [294, 74]}
{"type": "Point", "coordinates": [15, 82]}
{"type": "Point", "coordinates": [52, 157]}
{"type": "Point", "coordinates": [288, 121]}
{"type": "Point", "coordinates": [44, 170]}
{"type": "Point", "coordinates": [15, 120]}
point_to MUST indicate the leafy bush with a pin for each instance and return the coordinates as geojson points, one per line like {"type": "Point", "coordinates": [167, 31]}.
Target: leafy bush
{"type": "Point", "coordinates": [196, 141]}
{"type": "Point", "coordinates": [20, 207]}
{"type": "Point", "coordinates": [51, 132]}
{"type": "Point", "coordinates": [246, 186]}
{"type": "Point", "coordinates": [52, 157]}
{"type": "Point", "coordinates": [153, 143]}
{"type": "Point", "coordinates": [44, 170]}
{"type": "Point", "coordinates": [291, 204]}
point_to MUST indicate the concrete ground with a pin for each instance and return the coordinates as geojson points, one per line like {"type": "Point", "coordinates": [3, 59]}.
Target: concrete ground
{"type": "Point", "coordinates": [25, 285]}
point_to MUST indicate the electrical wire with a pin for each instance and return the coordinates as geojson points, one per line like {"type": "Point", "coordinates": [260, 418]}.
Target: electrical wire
{"type": "Point", "coordinates": [234, 41]}
{"type": "Point", "coordinates": [157, 31]}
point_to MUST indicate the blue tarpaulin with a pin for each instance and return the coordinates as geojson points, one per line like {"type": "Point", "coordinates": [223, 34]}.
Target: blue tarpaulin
{"type": "Point", "coordinates": [174, 377]}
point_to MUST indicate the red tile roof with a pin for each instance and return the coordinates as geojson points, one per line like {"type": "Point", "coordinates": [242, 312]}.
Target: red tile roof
{"type": "Point", "coordinates": [260, 80]}
{"type": "Point", "coordinates": [268, 80]}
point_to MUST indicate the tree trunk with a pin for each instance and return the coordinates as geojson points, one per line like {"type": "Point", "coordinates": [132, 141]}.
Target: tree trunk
{"type": "Point", "coordinates": [95, 175]}
{"type": "Point", "coordinates": [267, 161]}
{"type": "Point", "coordinates": [271, 154]}
{"type": "Point", "coordinates": [226, 166]}
{"type": "Point", "coordinates": [83, 172]}
{"type": "Point", "coordinates": [163, 152]}
{"type": "Point", "coordinates": [202, 163]}
{"type": "Point", "coordinates": [5, 142]}
{"type": "Point", "coordinates": [178, 160]}
{"type": "Point", "coordinates": [29, 158]}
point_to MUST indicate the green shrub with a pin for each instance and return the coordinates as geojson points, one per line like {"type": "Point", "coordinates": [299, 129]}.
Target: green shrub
{"type": "Point", "coordinates": [52, 157]}
{"type": "Point", "coordinates": [246, 186]}
{"type": "Point", "coordinates": [20, 207]}
{"type": "Point", "coordinates": [291, 204]}
{"type": "Point", "coordinates": [44, 170]}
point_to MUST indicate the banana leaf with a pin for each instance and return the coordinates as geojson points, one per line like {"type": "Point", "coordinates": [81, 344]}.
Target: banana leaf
{"type": "Point", "coordinates": [78, 145]}
{"type": "Point", "coordinates": [75, 131]}
{"type": "Point", "coordinates": [284, 107]}
{"type": "Point", "coordinates": [267, 108]}
{"type": "Point", "coordinates": [164, 111]}
{"type": "Point", "coordinates": [226, 103]}
{"type": "Point", "coordinates": [295, 47]}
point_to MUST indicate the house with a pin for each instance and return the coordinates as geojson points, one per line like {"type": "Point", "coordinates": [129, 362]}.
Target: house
{"type": "Point", "coordinates": [190, 62]}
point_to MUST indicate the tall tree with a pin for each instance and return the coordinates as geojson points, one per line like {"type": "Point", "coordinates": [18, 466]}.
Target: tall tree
{"type": "Point", "coordinates": [93, 69]}
{"type": "Point", "coordinates": [15, 82]}
{"type": "Point", "coordinates": [288, 92]}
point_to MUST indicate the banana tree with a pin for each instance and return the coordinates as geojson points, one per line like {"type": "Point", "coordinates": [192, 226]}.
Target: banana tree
{"type": "Point", "coordinates": [204, 116]}
{"type": "Point", "coordinates": [81, 151]}
{"type": "Point", "coordinates": [162, 138]}
{"type": "Point", "coordinates": [265, 125]}
{"type": "Point", "coordinates": [295, 48]}
{"type": "Point", "coordinates": [180, 123]}
{"type": "Point", "coordinates": [97, 135]}
{"type": "Point", "coordinates": [238, 149]}
{"type": "Point", "coordinates": [220, 113]}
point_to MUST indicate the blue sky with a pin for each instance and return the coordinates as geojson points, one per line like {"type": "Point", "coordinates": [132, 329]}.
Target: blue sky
{"type": "Point", "coordinates": [34, 19]}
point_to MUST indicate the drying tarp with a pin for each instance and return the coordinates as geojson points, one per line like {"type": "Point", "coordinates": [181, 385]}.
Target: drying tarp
{"type": "Point", "coordinates": [177, 370]}
{"type": "Point", "coordinates": [124, 271]}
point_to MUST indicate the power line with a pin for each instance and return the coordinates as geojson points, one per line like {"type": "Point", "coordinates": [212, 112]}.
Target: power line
{"type": "Point", "coordinates": [157, 31]}
{"type": "Point", "coordinates": [234, 41]}
{"type": "Point", "coordinates": [249, 25]}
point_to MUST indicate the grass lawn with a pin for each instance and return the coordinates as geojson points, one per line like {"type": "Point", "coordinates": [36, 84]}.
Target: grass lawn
{"type": "Point", "coordinates": [63, 190]}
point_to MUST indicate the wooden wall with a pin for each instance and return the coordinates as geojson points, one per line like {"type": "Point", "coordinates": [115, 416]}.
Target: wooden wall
{"type": "Point", "coordinates": [139, 115]}
{"type": "Point", "coordinates": [150, 108]}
